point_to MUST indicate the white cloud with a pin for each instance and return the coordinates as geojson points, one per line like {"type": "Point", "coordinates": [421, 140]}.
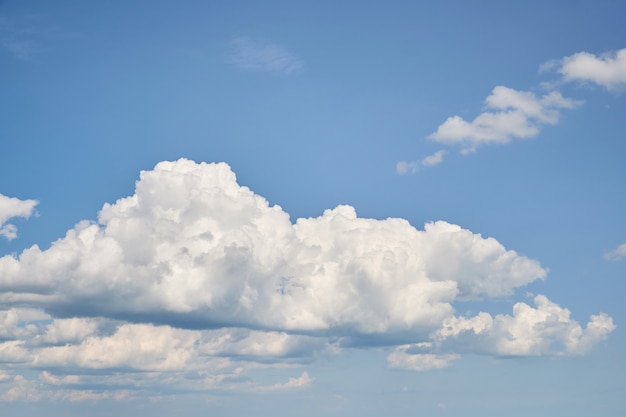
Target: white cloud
{"type": "Point", "coordinates": [75, 329]}
{"type": "Point", "coordinates": [434, 159]}
{"type": "Point", "coordinates": [264, 346]}
{"type": "Point", "coordinates": [608, 70]}
{"type": "Point", "coordinates": [11, 207]}
{"type": "Point", "coordinates": [404, 167]}
{"type": "Point", "coordinates": [403, 358]}
{"type": "Point", "coordinates": [303, 381]}
{"type": "Point", "coordinates": [263, 57]}
{"type": "Point", "coordinates": [14, 323]}
{"type": "Point", "coordinates": [49, 378]}
{"type": "Point", "coordinates": [512, 114]}
{"type": "Point", "coordinates": [546, 329]}
{"type": "Point", "coordinates": [193, 281]}
{"type": "Point", "coordinates": [88, 343]}
{"type": "Point", "coordinates": [19, 388]}
{"type": "Point", "coordinates": [135, 346]}
{"type": "Point", "coordinates": [616, 254]}
{"type": "Point", "coordinates": [191, 245]}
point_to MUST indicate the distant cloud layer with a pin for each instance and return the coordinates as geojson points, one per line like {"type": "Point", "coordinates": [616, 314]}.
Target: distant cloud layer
{"type": "Point", "coordinates": [195, 273]}
{"type": "Point", "coordinates": [258, 56]}
{"type": "Point", "coordinates": [11, 207]}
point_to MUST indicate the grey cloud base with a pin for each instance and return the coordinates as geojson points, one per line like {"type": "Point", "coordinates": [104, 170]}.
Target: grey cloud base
{"type": "Point", "coordinates": [194, 271]}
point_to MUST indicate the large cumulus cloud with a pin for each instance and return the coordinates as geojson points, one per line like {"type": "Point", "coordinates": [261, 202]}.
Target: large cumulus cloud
{"type": "Point", "coordinates": [195, 280]}
{"type": "Point", "coordinates": [193, 245]}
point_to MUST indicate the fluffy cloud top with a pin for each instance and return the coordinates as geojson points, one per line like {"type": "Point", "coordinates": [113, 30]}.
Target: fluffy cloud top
{"type": "Point", "coordinates": [608, 71]}
{"type": "Point", "coordinates": [13, 207]}
{"type": "Point", "coordinates": [511, 114]}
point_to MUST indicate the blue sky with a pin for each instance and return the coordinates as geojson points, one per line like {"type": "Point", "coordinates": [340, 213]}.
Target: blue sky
{"type": "Point", "coordinates": [334, 208]}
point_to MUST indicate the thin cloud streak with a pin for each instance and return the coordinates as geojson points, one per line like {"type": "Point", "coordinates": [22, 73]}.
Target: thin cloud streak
{"type": "Point", "coordinates": [258, 56]}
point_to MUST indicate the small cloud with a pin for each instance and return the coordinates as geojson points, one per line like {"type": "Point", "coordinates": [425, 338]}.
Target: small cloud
{"type": "Point", "coordinates": [11, 207]}
{"type": "Point", "coordinates": [303, 381]}
{"type": "Point", "coordinates": [403, 358]}
{"type": "Point", "coordinates": [404, 167]}
{"type": "Point", "coordinates": [616, 254]}
{"type": "Point", "coordinates": [607, 70]}
{"type": "Point", "coordinates": [263, 57]}
{"type": "Point", "coordinates": [434, 159]}
{"type": "Point", "coordinates": [512, 114]}
{"type": "Point", "coordinates": [549, 66]}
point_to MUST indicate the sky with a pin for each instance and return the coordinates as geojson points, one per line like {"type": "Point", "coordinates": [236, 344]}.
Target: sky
{"type": "Point", "coordinates": [312, 208]}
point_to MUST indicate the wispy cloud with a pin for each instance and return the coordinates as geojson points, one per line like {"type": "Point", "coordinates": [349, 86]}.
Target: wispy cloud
{"type": "Point", "coordinates": [404, 167]}
{"type": "Point", "coordinates": [616, 254]}
{"type": "Point", "coordinates": [21, 37]}
{"type": "Point", "coordinates": [258, 56]}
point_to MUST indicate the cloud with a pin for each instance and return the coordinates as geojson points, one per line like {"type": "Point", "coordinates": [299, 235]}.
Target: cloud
{"type": "Point", "coordinates": [193, 248]}
{"type": "Point", "coordinates": [546, 329]}
{"type": "Point", "coordinates": [19, 388]}
{"type": "Point", "coordinates": [608, 70]}
{"type": "Point", "coordinates": [434, 159]}
{"type": "Point", "coordinates": [27, 36]}
{"type": "Point", "coordinates": [403, 358]}
{"type": "Point", "coordinates": [194, 281]}
{"type": "Point", "coordinates": [11, 207]}
{"type": "Point", "coordinates": [303, 381]}
{"type": "Point", "coordinates": [512, 114]}
{"type": "Point", "coordinates": [404, 167]}
{"type": "Point", "coordinates": [263, 57]}
{"type": "Point", "coordinates": [616, 254]}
